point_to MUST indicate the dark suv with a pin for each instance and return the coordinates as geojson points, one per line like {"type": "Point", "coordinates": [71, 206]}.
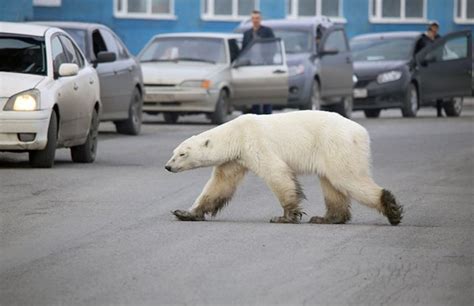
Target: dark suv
{"type": "Point", "coordinates": [319, 61]}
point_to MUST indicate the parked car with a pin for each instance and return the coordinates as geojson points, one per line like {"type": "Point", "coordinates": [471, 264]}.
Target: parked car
{"type": "Point", "coordinates": [320, 74]}
{"type": "Point", "coordinates": [187, 73]}
{"type": "Point", "coordinates": [121, 85]}
{"type": "Point", "coordinates": [49, 95]}
{"type": "Point", "coordinates": [391, 75]}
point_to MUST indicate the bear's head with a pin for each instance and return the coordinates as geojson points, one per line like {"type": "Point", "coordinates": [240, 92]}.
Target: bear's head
{"type": "Point", "coordinates": [192, 153]}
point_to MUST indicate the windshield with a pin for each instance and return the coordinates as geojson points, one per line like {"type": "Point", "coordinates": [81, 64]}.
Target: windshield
{"type": "Point", "coordinates": [295, 41]}
{"type": "Point", "coordinates": [22, 54]}
{"type": "Point", "coordinates": [79, 37]}
{"type": "Point", "coordinates": [382, 49]}
{"type": "Point", "coordinates": [209, 50]}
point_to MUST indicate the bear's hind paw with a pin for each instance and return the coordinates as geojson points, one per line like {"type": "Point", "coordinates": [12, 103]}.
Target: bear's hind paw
{"type": "Point", "coordinates": [283, 220]}
{"type": "Point", "coordinates": [184, 215]}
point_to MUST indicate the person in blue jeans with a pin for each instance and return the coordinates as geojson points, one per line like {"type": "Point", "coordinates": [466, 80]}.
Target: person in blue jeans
{"type": "Point", "coordinates": [258, 31]}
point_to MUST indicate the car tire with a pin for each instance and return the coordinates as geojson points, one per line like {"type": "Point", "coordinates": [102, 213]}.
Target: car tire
{"type": "Point", "coordinates": [221, 113]}
{"type": "Point", "coordinates": [171, 118]}
{"type": "Point", "coordinates": [314, 102]}
{"type": "Point", "coordinates": [411, 102]}
{"type": "Point", "coordinates": [453, 108]}
{"type": "Point", "coordinates": [87, 152]}
{"type": "Point", "coordinates": [343, 108]}
{"type": "Point", "coordinates": [45, 158]}
{"type": "Point", "coordinates": [132, 125]}
{"type": "Point", "coordinates": [372, 113]}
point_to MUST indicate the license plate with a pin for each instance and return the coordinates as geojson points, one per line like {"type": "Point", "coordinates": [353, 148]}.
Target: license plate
{"type": "Point", "coordinates": [360, 93]}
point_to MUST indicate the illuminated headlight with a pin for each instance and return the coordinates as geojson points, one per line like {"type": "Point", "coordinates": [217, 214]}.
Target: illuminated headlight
{"type": "Point", "coordinates": [24, 101]}
{"type": "Point", "coordinates": [389, 77]}
{"type": "Point", "coordinates": [295, 70]}
{"type": "Point", "coordinates": [205, 84]}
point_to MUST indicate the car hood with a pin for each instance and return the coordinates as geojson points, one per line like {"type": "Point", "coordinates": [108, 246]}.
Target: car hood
{"type": "Point", "coordinates": [293, 59]}
{"type": "Point", "coordinates": [373, 68]}
{"type": "Point", "coordinates": [170, 73]}
{"type": "Point", "coordinates": [13, 83]}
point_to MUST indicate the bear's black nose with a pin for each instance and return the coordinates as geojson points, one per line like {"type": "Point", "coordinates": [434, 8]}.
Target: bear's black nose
{"type": "Point", "coordinates": [168, 168]}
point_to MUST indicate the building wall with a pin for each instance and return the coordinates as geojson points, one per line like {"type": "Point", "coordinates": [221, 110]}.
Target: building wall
{"type": "Point", "coordinates": [16, 10]}
{"type": "Point", "coordinates": [136, 32]}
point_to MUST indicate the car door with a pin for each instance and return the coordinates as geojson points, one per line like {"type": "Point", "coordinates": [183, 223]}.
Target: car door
{"type": "Point", "coordinates": [83, 87]}
{"type": "Point", "coordinates": [335, 64]}
{"type": "Point", "coordinates": [66, 93]}
{"type": "Point", "coordinates": [120, 90]}
{"type": "Point", "coordinates": [259, 75]}
{"type": "Point", "coordinates": [444, 68]}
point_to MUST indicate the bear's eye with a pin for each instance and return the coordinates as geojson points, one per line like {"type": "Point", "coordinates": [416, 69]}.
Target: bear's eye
{"type": "Point", "coordinates": [182, 154]}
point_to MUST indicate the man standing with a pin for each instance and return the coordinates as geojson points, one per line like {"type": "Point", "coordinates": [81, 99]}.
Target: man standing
{"type": "Point", "coordinates": [257, 31]}
{"type": "Point", "coordinates": [427, 39]}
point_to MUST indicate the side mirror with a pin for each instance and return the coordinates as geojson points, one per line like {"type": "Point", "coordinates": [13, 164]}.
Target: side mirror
{"type": "Point", "coordinates": [105, 57]}
{"type": "Point", "coordinates": [430, 58]}
{"type": "Point", "coordinates": [68, 69]}
{"type": "Point", "coordinates": [241, 62]}
{"type": "Point", "coordinates": [325, 51]}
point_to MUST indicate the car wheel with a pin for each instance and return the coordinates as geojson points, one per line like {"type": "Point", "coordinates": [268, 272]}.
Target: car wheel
{"type": "Point", "coordinates": [343, 108]}
{"type": "Point", "coordinates": [314, 102]}
{"type": "Point", "coordinates": [132, 125]}
{"type": "Point", "coordinates": [170, 118]}
{"type": "Point", "coordinates": [221, 112]}
{"type": "Point", "coordinates": [45, 158]}
{"type": "Point", "coordinates": [86, 152]}
{"type": "Point", "coordinates": [453, 108]}
{"type": "Point", "coordinates": [410, 105]}
{"type": "Point", "coordinates": [372, 113]}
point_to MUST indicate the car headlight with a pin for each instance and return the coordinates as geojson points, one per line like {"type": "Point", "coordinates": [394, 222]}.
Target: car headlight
{"type": "Point", "coordinates": [24, 101]}
{"type": "Point", "coordinates": [354, 79]}
{"type": "Point", "coordinates": [205, 84]}
{"type": "Point", "coordinates": [389, 76]}
{"type": "Point", "coordinates": [295, 70]}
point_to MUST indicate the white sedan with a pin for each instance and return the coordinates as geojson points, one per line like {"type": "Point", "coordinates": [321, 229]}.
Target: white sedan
{"type": "Point", "coordinates": [49, 95]}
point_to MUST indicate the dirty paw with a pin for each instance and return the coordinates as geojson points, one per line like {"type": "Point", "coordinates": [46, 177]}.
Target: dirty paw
{"type": "Point", "coordinates": [318, 220]}
{"type": "Point", "coordinates": [184, 215]}
{"type": "Point", "coordinates": [283, 220]}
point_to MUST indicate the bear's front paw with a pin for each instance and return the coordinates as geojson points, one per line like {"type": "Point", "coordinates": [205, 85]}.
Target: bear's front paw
{"type": "Point", "coordinates": [184, 215]}
{"type": "Point", "coordinates": [283, 220]}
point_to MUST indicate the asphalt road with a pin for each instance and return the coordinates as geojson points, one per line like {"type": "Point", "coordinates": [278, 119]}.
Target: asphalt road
{"type": "Point", "coordinates": [102, 233]}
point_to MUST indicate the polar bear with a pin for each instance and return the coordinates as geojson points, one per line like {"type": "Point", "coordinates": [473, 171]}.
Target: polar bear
{"type": "Point", "coordinates": [277, 148]}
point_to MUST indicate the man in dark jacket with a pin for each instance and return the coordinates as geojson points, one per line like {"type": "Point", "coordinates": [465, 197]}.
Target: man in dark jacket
{"type": "Point", "coordinates": [427, 39]}
{"type": "Point", "coordinates": [257, 31]}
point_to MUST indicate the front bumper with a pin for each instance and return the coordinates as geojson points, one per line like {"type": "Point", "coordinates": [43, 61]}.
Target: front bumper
{"type": "Point", "coordinates": [378, 96]}
{"type": "Point", "coordinates": [179, 99]}
{"type": "Point", "coordinates": [14, 123]}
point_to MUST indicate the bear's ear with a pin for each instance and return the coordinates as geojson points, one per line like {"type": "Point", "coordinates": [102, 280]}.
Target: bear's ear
{"type": "Point", "coordinates": [206, 143]}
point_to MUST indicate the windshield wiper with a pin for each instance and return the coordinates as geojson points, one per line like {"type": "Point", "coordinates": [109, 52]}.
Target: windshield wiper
{"type": "Point", "coordinates": [193, 59]}
{"type": "Point", "coordinates": [157, 60]}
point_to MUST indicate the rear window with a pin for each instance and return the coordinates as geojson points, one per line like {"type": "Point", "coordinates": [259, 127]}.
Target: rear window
{"type": "Point", "coordinates": [23, 54]}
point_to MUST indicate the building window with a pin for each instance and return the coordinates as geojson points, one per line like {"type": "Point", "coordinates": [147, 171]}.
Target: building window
{"type": "Point", "coordinates": [47, 2]}
{"type": "Point", "coordinates": [306, 8]}
{"type": "Point", "coordinates": [228, 10]}
{"type": "Point", "coordinates": [397, 11]}
{"type": "Point", "coordinates": [145, 9]}
{"type": "Point", "coordinates": [464, 11]}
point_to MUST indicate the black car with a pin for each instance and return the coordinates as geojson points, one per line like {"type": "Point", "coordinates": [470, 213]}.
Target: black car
{"type": "Point", "coordinates": [390, 74]}
{"type": "Point", "coordinates": [121, 84]}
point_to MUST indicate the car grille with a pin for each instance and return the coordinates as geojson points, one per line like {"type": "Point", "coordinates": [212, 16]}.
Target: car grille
{"type": "Point", "coordinates": [361, 83]}
{"type": "Point", "coordinates": [159, 85]}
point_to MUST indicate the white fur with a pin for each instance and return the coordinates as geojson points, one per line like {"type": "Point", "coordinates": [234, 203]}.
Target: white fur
{"type": "Point", "coordinates": [279, 147]}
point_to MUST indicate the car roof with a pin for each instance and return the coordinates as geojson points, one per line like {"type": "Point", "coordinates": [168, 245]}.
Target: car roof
{"type": "Point", "coordinates": [304, 22]}
{"type": "Point", "coordinates": [26, 29]}
{"type": "Point", "coordinates": [71, 24]}
{"type": "Point", "coordinates": [381, 35]}
{"type": "Point", "coordinates": [201, 35]}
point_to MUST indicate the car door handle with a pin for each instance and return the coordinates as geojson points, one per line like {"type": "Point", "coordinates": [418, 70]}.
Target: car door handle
{"type": "Point", "coordinates": [91, 81]}
{"type": "Point", "coordinates": [76, 87]}
{"type": "Point", "coordinates": [279, 71]}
